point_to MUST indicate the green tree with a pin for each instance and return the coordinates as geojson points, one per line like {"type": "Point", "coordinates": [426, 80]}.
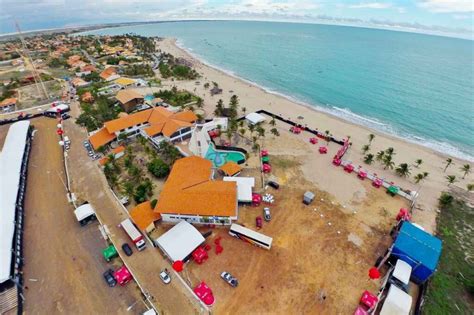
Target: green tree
{"type": "Point", "coordinates": [403, 170]}
{"type": "Point", "coordinates": [219, 108]}
{"type": "Point", "coordinates": [388, 162]}
{"type": "Point", "coordinates": [275, 132]}
{"type": "Point", "coordinates": [128, 188]}
{"type": "Point", "coordinates": [369, 158]}
{"type": "Point", "coordinates": [425, 174]}
{"type": "Point", "coordinates": [418, 178]}
{"type": "Point", "coordinates": [365, 148]}
{"type": "Point", "coordinates": [234, 105]}
{"type": "Point", "coordinates": [418, 162]}
{"type": "Point", "coordinates": [451, 179]}
{"type": "Point", "coordinates": [242, 132]}
{"type": "Point", "coordinates": [273, 122]}
{"type": "Point", "coordinates": [448, 163]}
{"type": "Point", "coordinates": [380, 156]}
{"type": "Point", "coordinates": [206, 85]}
{"type": "Point", "coordinates": [390, 151]}
{"type": "Point", "coordinates": [371, 138]}
{"type": "Point", "coordinates": [445, 199]}
{"type": "Point", "coordinates": [199, 103]}
{"type": "Point", "coordinates": [470, 187]}
{"type": "Point", "coordinates": [466, 169]}
{"type": "Point", "coordinates": [158, 168]}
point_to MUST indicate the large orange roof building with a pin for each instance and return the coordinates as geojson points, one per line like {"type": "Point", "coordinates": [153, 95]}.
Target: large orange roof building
{"type": "Point", "coordinates": [190, 193]}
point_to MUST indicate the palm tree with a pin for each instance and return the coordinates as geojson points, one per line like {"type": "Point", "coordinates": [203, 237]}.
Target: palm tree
{"type": "Point", "coordinates": [199, 103]}
{"type": "Point", "coordinates": [242, 132]}
{"type": "Point", "coordinates": [369, 158]}
{"type": "Point", "coordinates": [244, 110]}
{"type": "Point", "coordinates": [275, 132]}
{"type": "Point", "coordinates": [418, 178]}
{"type": "Point", "coordinates": [403, 170]}
{"type": "Point", "coordinates": [466, 168]}
{"type": "Point", "coordinates": [273, 122]}
{"type": "Point", "coordinates": [448, 162]}
{"type": "Point", "coordinates": [425, 174]}
{"type": "Point", "coordinates": [418, 162]}
{"type": "Point", "coordinates": [470, 187]}
{"type": "Point", "coordinates": [390, 151]}
{"type": "Point", "coordinates": [451, 179]}
{"type": "Point", "coordinates": [365, 148]}
{"type": "Point", "coordinates": [328, 134]}
{"type": "Point", "coordinates": [128, 188]}
{"type": "Point", "coordinates": [251, 129]}
{"type": "Point", "coordinates": [388, 162]}
{"type": "Point", "coordinates": [371, 138]}
{"type": "Point", "coordinates": [380, 155]}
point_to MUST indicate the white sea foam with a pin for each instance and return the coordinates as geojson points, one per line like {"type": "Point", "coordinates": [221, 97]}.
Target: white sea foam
{"type": "Point", "coordinates": [346, 114]}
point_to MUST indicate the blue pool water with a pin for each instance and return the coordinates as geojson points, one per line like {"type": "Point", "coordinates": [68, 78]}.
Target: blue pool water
{"type": "Point", "coordinates": [220, 157]}
{"type": "Point", "coordinates": [419, 87]}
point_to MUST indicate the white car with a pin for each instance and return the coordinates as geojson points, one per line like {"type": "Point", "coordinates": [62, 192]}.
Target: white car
{"type": "Point", "coordinates": [231, 280]}
{"type": "Point", "coordinates": [165, 276]}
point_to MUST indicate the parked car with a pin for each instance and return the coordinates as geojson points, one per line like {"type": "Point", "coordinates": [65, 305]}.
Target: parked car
{"type": "Point", "coordinates": [109, 278]}
{"type": "Point", "coordinates": [90, 153]}
{"type": "Point", "coordinates": [273, 184]}
{"type": "Point", "coordinates": [229, 279]}
{"type": "Point", "coordinates": [259, 222]}
{"type": "Point", "coordinates": [127, 249]}
{"type": "Point", "coordinates": [165, 276]}
{"type": "Point", "coordinates": [65, 116]}
{"type": "Point", "coordinates": [86, 143]}
{"type": "Point", "coordinates": [266, 214]}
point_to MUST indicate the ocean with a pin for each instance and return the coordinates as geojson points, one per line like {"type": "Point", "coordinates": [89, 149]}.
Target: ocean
{"type": "Point", "coordinates": [418, 87]}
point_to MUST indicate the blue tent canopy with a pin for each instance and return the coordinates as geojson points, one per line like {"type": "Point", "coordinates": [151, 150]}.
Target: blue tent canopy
{"type": "Point", "coordinates": [419, 249]}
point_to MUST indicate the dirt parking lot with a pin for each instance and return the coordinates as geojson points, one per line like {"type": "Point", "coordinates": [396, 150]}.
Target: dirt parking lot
{"type": "Point", "coordinates": [321, 249]}
{"type": "Point", "coordinates": [63, 262]}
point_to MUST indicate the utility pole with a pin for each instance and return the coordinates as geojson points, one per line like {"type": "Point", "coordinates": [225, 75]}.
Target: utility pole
{"type": "Point", "coordinates": [36, 75]}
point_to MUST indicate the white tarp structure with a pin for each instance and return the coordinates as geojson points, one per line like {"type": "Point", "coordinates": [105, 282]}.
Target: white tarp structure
{"type": "Point", "coordinates": [180, 241]}
{"type": "Point", "coordinates": [244, 187]}
{"type": "Point", "coordinates": [11, 159]}
{"type": "Point", "coordinates": [84, 211]}
{"type": "Point", "coordinates": [397, 302]}
{"type": "Point", "coordinates": [255, 118]}
{"type": "Point", "coordinates": [402, 271]}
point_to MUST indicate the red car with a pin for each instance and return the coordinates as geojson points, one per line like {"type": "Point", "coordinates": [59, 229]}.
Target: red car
{"type": "Point", "coordinates": [204, 293]}
{"type": "Point", "coordinates": [259, 222]}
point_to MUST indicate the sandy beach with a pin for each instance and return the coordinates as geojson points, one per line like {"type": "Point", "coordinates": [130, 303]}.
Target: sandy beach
{"type": "Point", "coordinates": [345, 188]}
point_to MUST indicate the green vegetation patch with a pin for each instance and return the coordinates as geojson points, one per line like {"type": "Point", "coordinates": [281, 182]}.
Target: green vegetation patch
{"type": "Point", "coordinates": [451, 290]}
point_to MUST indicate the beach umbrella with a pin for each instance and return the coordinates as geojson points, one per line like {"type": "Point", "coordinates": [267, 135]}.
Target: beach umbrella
{"type": "Point", "coordinates": [59, 131]}
{"type": "Point", "coordinates": [178, 266]}
{"type": "Point", "coordinates": [59, 126]}
{"type": "Point", "coordinates": [61, 143]}
{"type": "Point", "coordinates": [374, 273]}
{"type": "Point", "coordinates": [264, 153]}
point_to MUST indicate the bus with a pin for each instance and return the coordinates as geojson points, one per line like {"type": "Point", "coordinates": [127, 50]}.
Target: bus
{"type": "Point", "coordinates": [59, 108]}
{"type": "Point", "coordinates": [250, 236]}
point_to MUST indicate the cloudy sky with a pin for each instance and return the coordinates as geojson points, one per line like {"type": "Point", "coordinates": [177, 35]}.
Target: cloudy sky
{"type": "Point", "coordinates": [449, 16]}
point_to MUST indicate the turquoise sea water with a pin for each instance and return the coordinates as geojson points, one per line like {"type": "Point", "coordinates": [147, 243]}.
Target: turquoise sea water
{"type": "Point", "coordinates": [416, 86]}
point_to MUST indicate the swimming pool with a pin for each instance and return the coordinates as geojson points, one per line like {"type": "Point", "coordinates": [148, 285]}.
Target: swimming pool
{"type": "Point", "coordinates": [220, 157]}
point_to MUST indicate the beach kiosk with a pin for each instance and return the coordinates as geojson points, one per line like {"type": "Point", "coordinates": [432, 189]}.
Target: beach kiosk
{"type": "Point", "coordinates": [308, 197]}
{"type": "Point", "coordinates": [397, 302]}
{"type": "Point", "coordinates": [419, 249]}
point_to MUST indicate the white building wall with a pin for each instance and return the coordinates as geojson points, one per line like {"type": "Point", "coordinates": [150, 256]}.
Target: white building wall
{"type": "Point", "coordinates": [196, 219]}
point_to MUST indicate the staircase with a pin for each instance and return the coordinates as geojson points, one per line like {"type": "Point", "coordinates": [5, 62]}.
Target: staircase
{"type": "Point", "coordinates": [8, 300]}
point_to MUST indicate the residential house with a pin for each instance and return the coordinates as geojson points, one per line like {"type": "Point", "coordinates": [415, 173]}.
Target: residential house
{"type": "Point", "coordinates": [78, 82]}
{"type": "Point", "coordinates": [191, 194]}
{"type": "Point", "coordinates": [87, 97]}
{"type": "Point", "coordinates": [109, 74]}
{"type": "Point", "coordinates": [85, 70]}
{"type": "Point", "coordinates": [129, 99]}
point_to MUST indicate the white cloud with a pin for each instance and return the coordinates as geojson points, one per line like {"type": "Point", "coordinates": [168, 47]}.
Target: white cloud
{"type": "Point", "coordinates": [371, 5]}
{"type": "Point", "coordinates": [447, 6]}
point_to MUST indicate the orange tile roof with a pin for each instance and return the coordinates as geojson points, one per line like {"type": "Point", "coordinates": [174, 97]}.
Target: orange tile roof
{"type": "Point", "coordinates": [78, 82]}
{"type": "Point", "coordinates": [125, 96]}
{"type": "Point", "coordinates": [87, 97]}
{"type": "Point", "coordinates": [143, 215]}
{"type": "Point", "coordinates": [190, 190]}
{"type": "Point", "coordinates": [128, 121]}
{"type": "Point", "coordinates": [8, 102]}
{"type": "Point", "coordinates": [90, 68]}
{"type": "Point", "coordinates": [103, 161]}
{"type": "Point", "coordinates": [100, 138]}
{"type": "Point", "coordinates": [230, 168]}
{"type": "Point", "coordinates": [107, 73]}
{"type": "Point", "coordinates": [118, 149]}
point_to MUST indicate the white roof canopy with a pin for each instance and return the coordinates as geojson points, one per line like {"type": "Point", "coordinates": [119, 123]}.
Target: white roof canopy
{"type": "Point", "coordinates": [402, 271]}
{"type": "Point", "coordinates": [255, 118]}
{"type": "Point", "coordinates": [397, 302]}
{"type": "Point", "coordinates": [10, 168]}
{"type": "Point", "coordinates": [244, 187]}
{"type": "Point", "coordinates": [180, 241]}
{"type": "Point", "coordinates": [84, 211]}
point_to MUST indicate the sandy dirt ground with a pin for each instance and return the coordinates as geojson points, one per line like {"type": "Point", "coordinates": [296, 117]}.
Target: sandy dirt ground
{"type": "Point", "coordinates": [63, 262]}
{"type": "Point", "coordinates": [253, 98]}
{"type": "Point", "coordinates": [89, 183]}
{"type": "Point", "coordinates": [324, 248]}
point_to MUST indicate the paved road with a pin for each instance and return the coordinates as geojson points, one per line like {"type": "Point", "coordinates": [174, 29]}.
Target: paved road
{"type": "Point", "coordinates": [89, 183]}
{"type": "Point", "coordinates": [91, 59]}
{"type": "Point", "coordinates": [64, 258]}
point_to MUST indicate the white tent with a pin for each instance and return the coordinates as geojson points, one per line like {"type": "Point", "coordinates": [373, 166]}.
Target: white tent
{"type": "Point", "coordinates": [255, 118]}
{"type": "Point", "coordinates": [244, 187]}
{"type": "Point", "coordinates": [180, 241]}
{"type": "Point", "coordinates": [402, 271]}
{"type": "Point", "coordinates": [397, 302]}
{"type": "Point", "coordinates": [84, 211]}
{"type": "Point", "coordinates": [11, 159]}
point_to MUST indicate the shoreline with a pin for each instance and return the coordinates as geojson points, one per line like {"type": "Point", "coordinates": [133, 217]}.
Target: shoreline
{"type": "Point", "coordinates": [317, 168]}
{"type": "Point", "coordinates": [321, 110]}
